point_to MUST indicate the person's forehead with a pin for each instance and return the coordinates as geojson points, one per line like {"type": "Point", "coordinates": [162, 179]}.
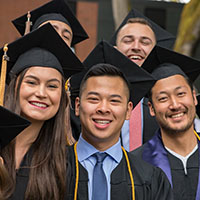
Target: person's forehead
{"type": "Point", "coordinates": [136, 28]}
{"type": "Point", "coordinates": [102, 79]}
{"type": "Point", "coordinates": [107, 82]}
{"type": "Point", "coordinates": [41, 71]}
{"type": "Point", "coordinates": [58, 23]}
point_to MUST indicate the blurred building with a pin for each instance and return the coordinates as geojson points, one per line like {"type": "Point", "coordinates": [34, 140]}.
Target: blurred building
{"type": "Point", "coordinates": [96, 16]}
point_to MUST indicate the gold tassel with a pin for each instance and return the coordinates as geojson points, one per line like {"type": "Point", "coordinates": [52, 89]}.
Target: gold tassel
{"type": "Point", "coordinates": [67, 85]}
{"type": "Point", "coordinates": [3, 74]}
{"type": "Point", "coordinates": [28, 23]}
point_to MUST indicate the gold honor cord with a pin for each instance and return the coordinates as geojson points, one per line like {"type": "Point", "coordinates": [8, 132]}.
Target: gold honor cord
{"type": "Point", "coordinates": [197, 135]}
{"type": "Point", "coordinates": [3, 74]}
{"type": "Point", "coordinates": [77, 173]}
{"type": "Point", "coordinates": [130, 173]}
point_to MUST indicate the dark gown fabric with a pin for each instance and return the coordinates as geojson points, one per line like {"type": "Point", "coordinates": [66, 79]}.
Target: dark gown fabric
{"type": "Point", "coordinates": [184, 186]}
{"type": "Point", "coordinates": [75, 124]}
{"type": "Point", "coordinates": [198, 106]}
{"type": "Point", "coordinates": [150, 182]}
{"type": "Point", "coordinates": [150, 124]}
{"type": "Point", "coordinates": [22, 177]}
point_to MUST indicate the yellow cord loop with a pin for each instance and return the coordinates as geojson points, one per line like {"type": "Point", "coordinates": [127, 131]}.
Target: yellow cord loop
{"type": "Point", "coordinates": [128, 165]}
{"type": "Point", "coordinates": [28, 24]}
{"type": "Point", "coordinates": [77, 172]}
{"type": "Point", "coordinates": [3, 74]}
{"type": "Point", "coordinates": [130, 173]}
{"type": "Point", "coordinates": [197, 135]}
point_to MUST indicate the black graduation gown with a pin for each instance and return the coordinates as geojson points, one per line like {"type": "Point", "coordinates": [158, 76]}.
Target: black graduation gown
{"type": "Point", "coordinates": [75, 124]}
{"type": "Point", "coordinates": [22, 177]}
{"type": "Point", "coordinates": [150, 124]}
{"type": "Point", "coordinates": [198, 106]}
{"type": "Point", "coordinates": [150, 182]}
{"type": "Point", "coordinates": [184, 186]}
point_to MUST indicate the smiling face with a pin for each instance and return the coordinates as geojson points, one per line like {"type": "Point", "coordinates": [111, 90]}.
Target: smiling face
{"type": "Point", "coordinates": [103, 107]}
{"type": "Point", "coordinates": [136, 41]}
{"type": "Point", "coordinates": [173, 104]}
{"type": "Point", "coordinates": [63, 29]}
{"type": "Point", "coordinates": [40, 93]}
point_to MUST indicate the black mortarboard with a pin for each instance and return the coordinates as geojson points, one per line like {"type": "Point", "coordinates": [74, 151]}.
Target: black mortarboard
{"type": "Point", "coordinates": [53, 10]}
{"type": "Point", "coordinates": [42, 47]}
{"type": "Point", "coordinates": [163, 63]}
{"type": "Point", "coordinates": [140, 81]}
{"type": "Point", "coordinates": [163, 37]}
{"type": "Point", "coordinates": [11, 125]}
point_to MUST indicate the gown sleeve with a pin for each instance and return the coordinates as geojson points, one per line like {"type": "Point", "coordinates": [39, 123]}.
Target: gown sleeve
{"type": "Point", "coordinates": [161, 188]}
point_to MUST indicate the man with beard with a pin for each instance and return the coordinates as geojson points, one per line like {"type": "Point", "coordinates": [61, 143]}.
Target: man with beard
{"type": "Point", "coordinates": [172, 100]}
{"type": "Point", "coordinates": [135, 38]}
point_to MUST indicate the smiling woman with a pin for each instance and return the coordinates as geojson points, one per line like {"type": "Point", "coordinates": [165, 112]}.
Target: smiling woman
{"type": "Point", "coordinates": [40, 93]}
{"type": "Point", "coordinates": [36, 159]}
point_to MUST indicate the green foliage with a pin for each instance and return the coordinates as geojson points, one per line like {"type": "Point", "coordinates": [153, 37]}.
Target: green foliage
{"type": "Point", "coordinates": [189, 28]}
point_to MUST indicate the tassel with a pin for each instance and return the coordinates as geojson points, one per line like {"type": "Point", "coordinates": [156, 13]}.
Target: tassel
{"type": "Point", "coordinates": [67, 85]}
{"type": "Point", "coordinates": [5, 58]}
{"type": "Point", "coordinates": [28, 23]}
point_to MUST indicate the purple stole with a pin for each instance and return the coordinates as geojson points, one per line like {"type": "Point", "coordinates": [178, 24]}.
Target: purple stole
{"type": "Point", "coordinates": [155, 153]}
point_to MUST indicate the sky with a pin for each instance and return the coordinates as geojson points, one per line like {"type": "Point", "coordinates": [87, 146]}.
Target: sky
{"type": "Point", "coordinates": [181, 1]}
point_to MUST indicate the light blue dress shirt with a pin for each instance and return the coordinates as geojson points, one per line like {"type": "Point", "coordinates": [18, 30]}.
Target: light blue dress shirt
{"type": "Point", "coordinates": [85, 153]}
{"type": "Point", "coordinates": [125, 130]}
{"type": "Point", "coordinates": [197, 125]}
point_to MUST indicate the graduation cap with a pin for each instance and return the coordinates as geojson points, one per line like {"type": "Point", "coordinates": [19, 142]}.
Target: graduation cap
{"type": "Point", "coordinates": [140, 81]}
{"type": "Point", "coordinates": [41, 47]}
{"type": "Point", "coordinates": [163, 37]}
{"type": "Point", "coordinates": [53, 10]}
{"type": "Point", "coordinates": [163, 63]}
{"type": "Point", "coordinates": [11, 125]}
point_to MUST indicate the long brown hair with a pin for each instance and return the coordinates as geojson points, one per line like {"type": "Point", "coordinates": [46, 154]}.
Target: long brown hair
{"type": "Point", "coordinates": [5, 182]}
{"type": "Point", "coordinates": [47, 177]}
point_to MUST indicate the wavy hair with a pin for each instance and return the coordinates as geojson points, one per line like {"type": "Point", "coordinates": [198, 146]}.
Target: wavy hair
{"type": "Point", "coordinates": [47, 163]}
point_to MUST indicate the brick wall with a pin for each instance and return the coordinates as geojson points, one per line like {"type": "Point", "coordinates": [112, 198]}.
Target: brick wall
{"type": "Point", "coordinates": [10, 10]}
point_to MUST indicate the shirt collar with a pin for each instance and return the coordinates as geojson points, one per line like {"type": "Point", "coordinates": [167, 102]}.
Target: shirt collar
{"type": "Point", "coordinates": [85, 150]}
{"type": "Point", "coordinates": [115, 151]}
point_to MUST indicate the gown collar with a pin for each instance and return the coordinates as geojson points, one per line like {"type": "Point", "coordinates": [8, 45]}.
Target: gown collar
{"type": "Point", "coordinates": [155, 153]}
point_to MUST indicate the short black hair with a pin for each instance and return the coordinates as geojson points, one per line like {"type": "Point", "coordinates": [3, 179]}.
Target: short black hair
{"type": "Point", "coordinates": [104, 69]}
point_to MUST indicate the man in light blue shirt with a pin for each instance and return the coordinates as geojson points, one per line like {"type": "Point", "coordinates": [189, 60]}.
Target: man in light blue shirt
{"type": "Point", "coordinates": [85, 152]}
{"type": "Point", "coordinates": [197, 125]}
{"type": "Point", "coordinates": [103, 104]}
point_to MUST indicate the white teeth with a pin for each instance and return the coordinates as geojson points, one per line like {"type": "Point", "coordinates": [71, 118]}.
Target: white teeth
{"type": "Point", "coordinates": [135, 57]}
{"type": "Point", "coordinates": [39, 104]}
{"type": "Point", "coordinates": [178, 115]}
{"type": "Point", "coordinates": [102, 121]}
